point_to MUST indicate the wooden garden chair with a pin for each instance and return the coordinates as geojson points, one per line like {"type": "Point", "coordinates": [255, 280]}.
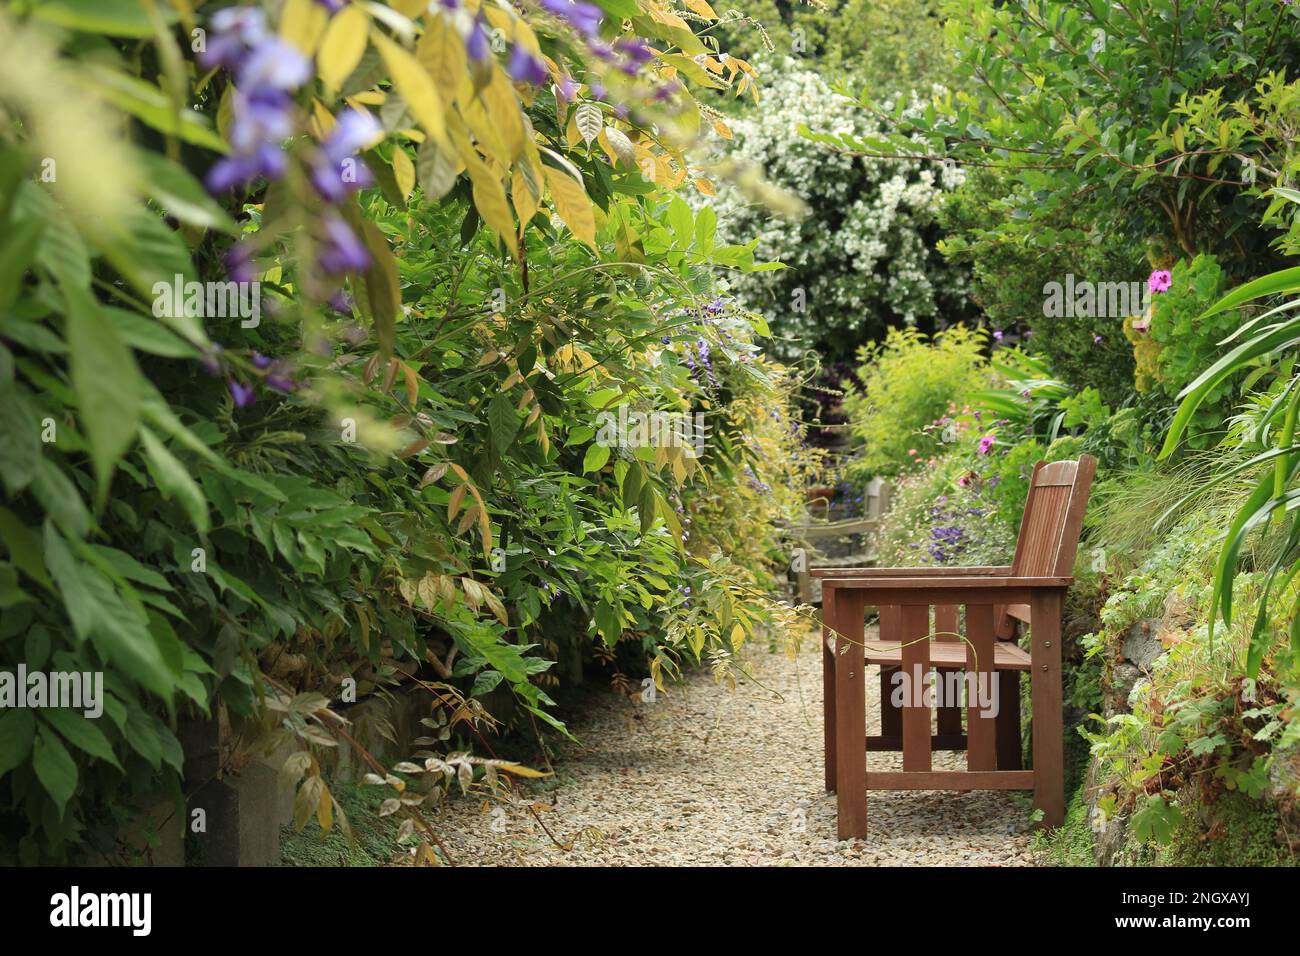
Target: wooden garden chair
{"type": "Point", "coordinates": [997, 599]}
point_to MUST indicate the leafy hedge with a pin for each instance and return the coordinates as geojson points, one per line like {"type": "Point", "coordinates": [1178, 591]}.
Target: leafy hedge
{"type": "Point", "coordinates": [467, 251]}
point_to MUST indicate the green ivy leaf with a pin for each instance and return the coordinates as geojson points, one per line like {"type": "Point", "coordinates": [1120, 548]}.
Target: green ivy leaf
{"type": "Point", "coordinates": [595, 458]}
{"type": "Point", "coordinates": [80, 731]}
{"type": "Point", "coordinates": [106, 380]}
{"type": "Point", "coordinates": [55, 768]}
{"type": "Point", "coordinates": [503, 421]}
{"type": "Point", "coordinates": [1156, 820]}
{"type": "Point", "coordinates": [174, 481]}
{"type": "Point", "coordinates": [17, 729]}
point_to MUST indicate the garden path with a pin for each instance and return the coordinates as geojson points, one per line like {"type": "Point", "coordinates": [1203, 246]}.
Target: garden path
{"type": "Point", "coordinates": [708, 775]}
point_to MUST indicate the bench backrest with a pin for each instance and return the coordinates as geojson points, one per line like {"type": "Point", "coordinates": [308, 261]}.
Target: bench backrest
{"type": "Point", "coordinates": [1049, 530]}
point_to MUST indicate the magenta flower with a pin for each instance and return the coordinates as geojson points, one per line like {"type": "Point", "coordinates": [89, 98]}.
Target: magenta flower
{"type": "Point", "coordinates": [1159, 281]}
{"type": "Point", "coordinates": [986, 444]}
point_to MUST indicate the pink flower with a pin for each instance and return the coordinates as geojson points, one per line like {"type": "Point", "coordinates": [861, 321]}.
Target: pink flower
{"type": "Point", "coordinates": [912, 452]}
{"type": "Point", "coordinates": [986, 444]}
{"type": "Point", "coordinates": [1159, 281]}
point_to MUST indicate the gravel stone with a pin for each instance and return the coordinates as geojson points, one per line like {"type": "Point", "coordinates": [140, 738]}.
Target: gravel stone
{"type": "Point", "coordinates": [706, 775]}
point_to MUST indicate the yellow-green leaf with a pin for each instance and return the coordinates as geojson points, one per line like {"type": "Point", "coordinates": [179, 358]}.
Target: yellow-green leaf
{"type": "Point", "coordinates": [403, 172]}
{"type": "Point", "coordinates": [343, 46]}
{"type": "Point", "coordinates": [416, 86]}
{"type": "Point", "coordinates": [572, 204]}
{"type": "Point", "coordinates": [302, 22]}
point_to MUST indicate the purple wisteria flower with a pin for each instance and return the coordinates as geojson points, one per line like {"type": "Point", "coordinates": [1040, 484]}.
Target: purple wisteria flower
{"type": "Point", "coordinates": [476, 44]}
{"type": "Point", "coordinates": [986, 444]}
{"type": "Point", "coordinates": [524, 67]}
{"type": "Point", "coordinates": [239, 263]}
{"type": "Point", "coordinates": [241, 393]}
{"type": "Point", "coordinates": [211, 359]}
{"type": "Point", "coordinates": [273, 64]}
{"type": "Point", "coordinates": [341, 250]}
{"type": "Point", "coordinates": [1159, 281]}
{"type": "Point", "coordinates": [264, 118]}
{"type": "Point", "coordinates": [583, 17]}
{"type": "Point", "coordinates": [235, 29]}
{"type": "Point", "coordinates": [267, 69]}
{"type": "Point", "coordinates": [666, 92]}
{"type": "Point", "coordinates": [566, 89]}
{"type": "Point", "coordinates": [635, 49]}
{"type": "Point", "coordinates": [338, 171]}
{"type": "Point", "coordinates": [333, 6]}
{"type": "Point", "coordinates": [341, 303]}
{"type": "Point", "coordinates": [231, 171]}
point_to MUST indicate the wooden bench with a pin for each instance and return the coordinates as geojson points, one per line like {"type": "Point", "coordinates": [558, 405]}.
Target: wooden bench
{"type": "Point", "coordinates": [876, 498]}
{"type": "Point", "coordinates": [997, 600]}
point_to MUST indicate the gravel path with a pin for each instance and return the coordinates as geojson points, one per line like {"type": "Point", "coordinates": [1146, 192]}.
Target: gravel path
{"type": "Point", "coordinates": [709, 775]}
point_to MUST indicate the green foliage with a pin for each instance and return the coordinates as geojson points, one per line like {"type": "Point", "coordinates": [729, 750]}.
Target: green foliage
{"type": "Point", "coordinates": [1153, 111]}
{"type": "Point", "coordinates": [942, 514]}
{"type": "Point", "coordinates": [889, 45]}
{"type": "Point", "coordinates": [1009, 279]}
{"type": "Point", "coordinates": [908, 383]}
{"type": "Point", "coordinates": [1259, 348]}
{"type": "Point", "coordinates": [863, 256]}
{"type": "Point", "coordinates": [392, 473]}
{"type": "Point", "coordinates": [1197, 732]}
{"type": "Point", "coordinates": [1189, 341]}
{"type": "Point", "coordinates": [1234, 830]}
{"type": "Point", "coordinates": [374, 842]}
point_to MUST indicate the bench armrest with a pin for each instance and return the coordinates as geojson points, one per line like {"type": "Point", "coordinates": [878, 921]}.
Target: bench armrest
{"type": "Point", "coordinates": [931, 572]}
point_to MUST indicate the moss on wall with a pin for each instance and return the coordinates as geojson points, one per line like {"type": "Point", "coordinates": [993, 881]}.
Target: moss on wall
{"type": "Point", "coordinates": [1235, 831]}
{"type": "Point", "coordinates": [375, 841]}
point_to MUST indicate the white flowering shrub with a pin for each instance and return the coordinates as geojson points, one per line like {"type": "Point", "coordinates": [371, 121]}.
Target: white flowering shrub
{"type": "Point", "coordinates": [864, 257]}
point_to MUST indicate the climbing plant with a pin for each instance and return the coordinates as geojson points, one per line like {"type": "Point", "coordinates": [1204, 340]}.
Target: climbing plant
{"type": "Point", "coordinates": [311, 314]}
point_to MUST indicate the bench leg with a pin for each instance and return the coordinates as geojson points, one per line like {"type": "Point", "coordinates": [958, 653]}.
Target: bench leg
{"type": "Point", "coordinates": [1045, 687]}
{"type": "Point", "coordinates": [829, 641]}
{"type": "Point", "coordinates": [850, 715]}
{"type": "Point", "coordinates": [946, 628]}
{"type": "Point", "coordinates": [1008, 721]}
{"type": "Point", "coordinates": [891, 716]}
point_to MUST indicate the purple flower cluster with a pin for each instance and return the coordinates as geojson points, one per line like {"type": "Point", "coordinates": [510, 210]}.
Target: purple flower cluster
{"type": "Point", "coordinates": [277, 374]}
{"type": "Point", "coordinates": [337, 170]}
{"type": "Point", "coordinates": [524, 67]}
{"type": "Point", "coordinates": [1159, 281]}
{"type": "Point", "coordinates": [266, 71]}
{"type": "Point", "coordinates": [948, 542]}
{"type": "Point", "coordinates": [583, 17]}
{"type": "Point", "coordinates": [698, 356]}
